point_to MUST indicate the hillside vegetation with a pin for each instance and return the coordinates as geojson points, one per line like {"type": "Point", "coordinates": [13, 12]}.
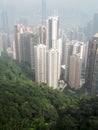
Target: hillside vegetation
{"type": "Point", "coordinates": [25, 105]}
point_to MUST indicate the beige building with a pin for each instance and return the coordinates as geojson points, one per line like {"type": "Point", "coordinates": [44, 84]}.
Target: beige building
{"type": "Point", "coordinates": [22, 40]}
{"type": "Point", "coordinates": [75, 71]}
{"type": "Point", "coordinates": [25, 40]}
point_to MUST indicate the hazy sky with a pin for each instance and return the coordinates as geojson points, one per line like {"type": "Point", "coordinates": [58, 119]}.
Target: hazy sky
{"type": "Point", "coordinates": [80, 10]}
{"type": "Point", "coordinates": [86, 5]}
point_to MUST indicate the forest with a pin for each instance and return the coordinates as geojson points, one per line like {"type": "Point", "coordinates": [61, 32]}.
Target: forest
{"type": "Point", "coordinates": [26, 105]}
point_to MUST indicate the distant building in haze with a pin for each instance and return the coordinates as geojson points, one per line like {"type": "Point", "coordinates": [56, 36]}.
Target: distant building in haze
{"type": "Point", "coordinates": [73, 48]}
{"type": "Point", "coordinates": [43, 11]}
{"type": "Point", "coordinates": [68, 50]}
{"type": "Point", "coordinates": [3, 42]}
{"type": "Point", "coordinates": [21, 42]}
{"type": "Point", "coordinates": [41, 32]}
{"type": "Point", "coordinates": [24, 44]}
{"type": "Point", "coordinates": [5, 22]}
{"type": "Point", "coordinates": [91, 81]}
{"type": "Point", "coordinates": [95, 23]}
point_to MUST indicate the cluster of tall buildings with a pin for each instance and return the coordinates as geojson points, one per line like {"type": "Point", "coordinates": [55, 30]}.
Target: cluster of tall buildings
{"type": "Point", "coordinates": [25, 40]}
{"type": "Point", "coordinates": [51, 55]}
{"type": "Point", "coordinates": [54, 55]}
{"type": "Point", "coordinates": [74, 59]}
{"type": "Point", "coordinates": [40, 48]}
{"type": "Point", "coordinates": [76, 33]}
{"type": "Point", "coordinates": [83, 33]}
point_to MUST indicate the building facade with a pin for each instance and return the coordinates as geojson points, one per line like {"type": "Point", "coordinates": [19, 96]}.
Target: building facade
{"type": "Point", "coordinates": [74, 72]}
{"type": "Point", "coordinates": [52, 62]}
{"type": "Point", "coordinates": [52, 31]}
{"type": "Point", "coordinates": [40, 63]}
{"type": "Point", "coordinates": [91, 78]}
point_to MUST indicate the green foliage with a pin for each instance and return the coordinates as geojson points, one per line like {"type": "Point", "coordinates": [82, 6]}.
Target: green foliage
{"type": "Point", "coordinates": [25, 105]}
{"type": "Point", "coordinates": [26, 68]}
{"type": "Point", "coordinates": [10, 71]}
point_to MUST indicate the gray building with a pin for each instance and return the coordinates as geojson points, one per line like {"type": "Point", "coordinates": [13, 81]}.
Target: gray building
{"type": "Point", "coordinates": [95, 23]}
{"type": "Point", "coordinates": [91, 81]}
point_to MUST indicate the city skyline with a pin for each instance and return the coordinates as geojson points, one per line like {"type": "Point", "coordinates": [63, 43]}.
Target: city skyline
{"type": "Point", "coordinates": [72, 13]}
{"type": "Point", "coordinates": [46, 49]}
{"type": "Point", "coordinates": [48, 65]}
{"type": "Point", "coordinates": [62, 48]}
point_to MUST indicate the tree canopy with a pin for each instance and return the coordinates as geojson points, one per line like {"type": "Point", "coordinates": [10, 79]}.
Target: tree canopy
{"type": "Point", "coordinates": [25, 105]}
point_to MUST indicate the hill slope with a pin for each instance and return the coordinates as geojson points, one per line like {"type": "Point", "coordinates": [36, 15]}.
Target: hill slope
{"type": "Point", "coordinates": [25, 105]}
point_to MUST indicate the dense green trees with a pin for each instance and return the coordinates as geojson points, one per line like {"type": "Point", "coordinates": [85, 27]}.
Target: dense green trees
{"type": "Point", "coordinates": [25, 105]}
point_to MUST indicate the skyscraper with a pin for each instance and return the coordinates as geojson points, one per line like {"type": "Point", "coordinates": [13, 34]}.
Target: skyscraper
{"type": "Point", "coordinates": [73, 48]}
{"type": "Point", "coordinates": [68, 49]}
{"type": "Point", "coordinates": [18, 30]}
{"type": "Point", "coordinates": [59, 48]}
{"type": "Point", "coordinates": [33, 42]}
{"type": "Point", "coordinates": [41, 31]}
{"type": "Point", "coordinates": [76, 47]}
{"type": "Point", "coordinates": [52, 31]}
{"type": "Point", "coordinates": [5, 22]}
{"type": "Point", "coordinates": [52, 62]}
{"type": "Point", "coordinates": [95, 23]}
{"type": "Point", "coordinates": [91, 81]}
{"type": "Point", "coordinates": [3, 42]}
{"type": "Point", "coordinates": [79, 48]}
{"type": "Point", "coordinates": [40, 63]}
{"type": "Point", "coordinates": [24, 44]}
{"type": "Point", "coordinates": [74, 71]}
